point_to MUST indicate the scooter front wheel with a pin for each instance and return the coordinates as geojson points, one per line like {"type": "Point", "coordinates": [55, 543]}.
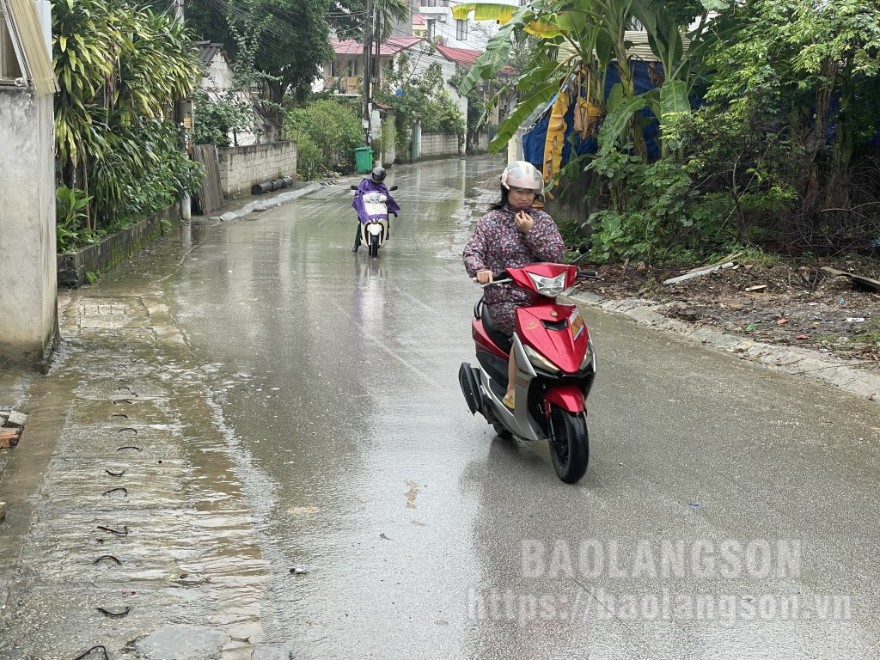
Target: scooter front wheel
{"type": "Point", "coordinates": [569, 444]}
{"type": "Point", "coordinates": [501, 432]}
{"type": "Point", "coordinates": [374, 245]}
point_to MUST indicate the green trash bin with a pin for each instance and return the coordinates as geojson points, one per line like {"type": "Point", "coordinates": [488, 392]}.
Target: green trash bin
{"type": "Point", "coordinates": [363, 159]}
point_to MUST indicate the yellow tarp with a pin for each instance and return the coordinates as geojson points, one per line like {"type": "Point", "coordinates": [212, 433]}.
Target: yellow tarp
{"type": "Point", "coordinates": [555, 140]}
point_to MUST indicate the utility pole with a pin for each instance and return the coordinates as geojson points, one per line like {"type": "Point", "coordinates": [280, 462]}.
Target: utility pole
{"type": "Point", "coordinates": [183, 117]}
{"type": "Point", "coordinates": [368, 70]}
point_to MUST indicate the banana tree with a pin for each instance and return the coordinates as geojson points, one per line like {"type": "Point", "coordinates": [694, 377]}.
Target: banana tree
{"type": "Point", "coordinates": [577, 41]}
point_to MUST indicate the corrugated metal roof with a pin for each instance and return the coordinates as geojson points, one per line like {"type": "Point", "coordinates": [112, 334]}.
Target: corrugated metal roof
{"type": "Point", "coordinates": [24, 26]}
{"type": "Point", "coordinates": [639, 47]}
{"type": "Point", "coordinates": [466, 57]}
{"type": "Point", "coordinates": [207, 52]}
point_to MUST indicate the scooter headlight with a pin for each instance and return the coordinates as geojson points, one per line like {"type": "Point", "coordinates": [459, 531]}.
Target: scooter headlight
{"type": "Point", "coordinates": [548, 286]}
{"type": "Point", "coordinates": [540, 361]}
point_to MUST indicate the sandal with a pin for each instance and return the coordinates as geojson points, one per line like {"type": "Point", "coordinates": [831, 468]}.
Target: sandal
{"type": "Point", "coordinates": [508, 400]}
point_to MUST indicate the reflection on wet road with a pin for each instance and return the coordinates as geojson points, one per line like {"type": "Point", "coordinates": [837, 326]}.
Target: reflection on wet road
{"type": "Point", "coordinates": [348, 402]}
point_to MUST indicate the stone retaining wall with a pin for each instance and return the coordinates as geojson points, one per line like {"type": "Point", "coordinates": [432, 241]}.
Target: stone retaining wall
{"type": "Point", "coordinates": [439, 144]}
{"type": "Point", "coordinates": [241, 167]}
{"type": "Point", "coordinates": [74, 269]}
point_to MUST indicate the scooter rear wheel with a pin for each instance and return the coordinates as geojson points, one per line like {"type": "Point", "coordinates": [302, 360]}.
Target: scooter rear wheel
{"type": "Point", "coordinates": [569, 444]}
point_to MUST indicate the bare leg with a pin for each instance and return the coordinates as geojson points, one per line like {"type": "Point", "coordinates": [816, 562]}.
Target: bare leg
{"type": "Point", "coordinates": [511, 380]}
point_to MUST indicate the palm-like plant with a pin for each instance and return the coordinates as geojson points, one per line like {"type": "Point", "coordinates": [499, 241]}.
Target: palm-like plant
{"type": "Point", "coordinates": [577, 43]}
{"type": "Point", "coordinates": [116, 66]}
{"type": "Point", "coordinates": [387, 13]}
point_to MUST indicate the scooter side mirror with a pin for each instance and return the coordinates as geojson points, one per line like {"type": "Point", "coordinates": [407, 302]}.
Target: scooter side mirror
{"type": "Point", "coordinates": [392, 188]}
{"type": "Point", "coordinates": [354, 187]}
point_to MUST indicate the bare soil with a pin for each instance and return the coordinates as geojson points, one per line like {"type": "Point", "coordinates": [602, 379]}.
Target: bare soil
{"type": "Point", "coordinates": [776, 303]}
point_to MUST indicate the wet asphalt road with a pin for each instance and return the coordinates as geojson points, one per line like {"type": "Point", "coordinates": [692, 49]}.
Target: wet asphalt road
{"type": "Point", "coordinates": [410, 518]}
{"type": "Point", "coordinates": [728, 512]}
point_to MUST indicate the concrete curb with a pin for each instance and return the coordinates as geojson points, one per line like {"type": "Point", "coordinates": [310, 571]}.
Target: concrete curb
{"type": "Point", "coordinates": [812, 364]}
{"type": "Point", "coordinates": [264, 204]}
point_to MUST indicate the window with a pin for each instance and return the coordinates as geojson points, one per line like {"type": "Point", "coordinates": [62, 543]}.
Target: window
{"type": "Point", "coordinates": [461, 30]}
{"type": "Point", "coordinates": [9, 67]}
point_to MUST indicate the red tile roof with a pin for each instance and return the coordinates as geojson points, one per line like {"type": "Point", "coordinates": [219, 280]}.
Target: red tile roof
{"type": "Point", "coordinates": [466, 57]}
{"type": "Point", "coordinates": [463, 56]}
{"type": "Point", "coordinates": [418, 19]}
{"type": "Point", "coordinates": [389, 47]}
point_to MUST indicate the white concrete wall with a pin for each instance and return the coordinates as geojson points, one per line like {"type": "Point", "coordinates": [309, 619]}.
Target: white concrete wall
{"type": "Point", "coordinates": [242, 167]}
{"type": "Point", "coordinates": [28, 267]}
{"type": "Point", "coordinates": [439, 144]}
{"type": "Point", "coordinates": [443, 25]}
{"type": "Point", "coordinates": [216, 82]}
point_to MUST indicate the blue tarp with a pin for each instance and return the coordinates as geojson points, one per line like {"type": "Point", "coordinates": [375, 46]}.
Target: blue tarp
{"type": "Point", "coordinates": [644, 76]}
{"type": "Point", "coordinates": [535, 139]}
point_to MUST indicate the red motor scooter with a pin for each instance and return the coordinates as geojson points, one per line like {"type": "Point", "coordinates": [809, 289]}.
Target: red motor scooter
{"type": "Point", "coordinates": [556, 366]}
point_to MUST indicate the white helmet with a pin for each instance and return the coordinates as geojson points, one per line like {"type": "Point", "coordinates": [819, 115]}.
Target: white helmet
{"type": "Point", "coordinates": [521, 174]}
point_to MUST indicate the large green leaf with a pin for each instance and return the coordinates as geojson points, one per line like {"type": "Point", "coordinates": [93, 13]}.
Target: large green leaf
{"type": "Point", "coordinates": [484, 11]}
{"type": "Point", "coordinates": [615, 97]}
{"type": "Point", "coordinates": [539, 96]}
{"type": "Point", "coordinates": [617, 121]}
{"type": "Point", "coordinates": [673, 99]}
{"type": "Point", "coordinates": [493, 60]}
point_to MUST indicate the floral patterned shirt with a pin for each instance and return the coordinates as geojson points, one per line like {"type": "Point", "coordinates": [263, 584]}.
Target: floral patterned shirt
{"type": "Point", "coordinates": [496, 244]}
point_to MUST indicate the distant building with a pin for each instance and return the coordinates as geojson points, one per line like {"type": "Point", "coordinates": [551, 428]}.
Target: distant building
{"type": "Point", "coordinates": [217, 82]}
{"type": "Point", "coordinates": [442, 28]}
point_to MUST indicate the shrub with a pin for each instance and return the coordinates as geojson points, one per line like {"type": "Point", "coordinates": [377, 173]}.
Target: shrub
{"type": "Point", "coordinates": [332, 128]}
{"type": "Point", "coordinates": [70, 229]}
{"type": "Point", "coordinates": [216, 117]}
{"type": "Point", "coordinates": [309, 159]}
{"type": "Point", "coordinates": [656, 213]}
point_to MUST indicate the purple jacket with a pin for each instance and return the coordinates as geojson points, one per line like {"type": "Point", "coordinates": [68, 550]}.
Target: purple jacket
{"type": "Point", "coordinates": [368, 185]}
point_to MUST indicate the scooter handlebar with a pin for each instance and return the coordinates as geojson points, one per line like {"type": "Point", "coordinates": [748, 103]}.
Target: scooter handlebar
{"type": "Point", "coordinates": [474, 279]}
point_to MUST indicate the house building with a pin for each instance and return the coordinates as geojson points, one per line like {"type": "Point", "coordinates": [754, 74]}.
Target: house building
{"type": "Point", "coordinates": [344, 74]}
{"type": "Point", "coordinates": [434, 38]}
{"type": "Point", "coordinates": [441, 27]}
{"type": "Point", "coordinates": [218, 81]}
{"type": "Point", "coordinates": [28, 270]}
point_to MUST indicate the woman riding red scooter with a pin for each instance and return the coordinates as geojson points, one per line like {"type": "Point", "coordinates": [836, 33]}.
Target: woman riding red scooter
{"type": "Point", "coordinates": [511, 235]}
{"type": "Point", "coordinates": [535, 358]}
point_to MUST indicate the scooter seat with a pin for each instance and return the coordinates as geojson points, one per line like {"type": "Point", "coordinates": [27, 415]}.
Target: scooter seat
{"type": "Point", "coordinates": [503, 342]}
